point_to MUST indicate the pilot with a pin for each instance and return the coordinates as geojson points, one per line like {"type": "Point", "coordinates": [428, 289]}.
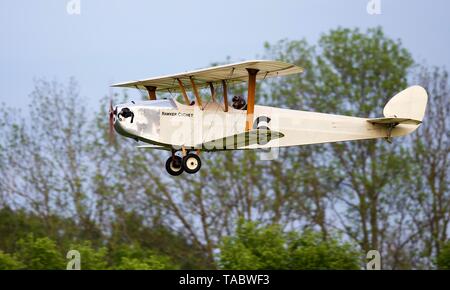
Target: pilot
{"type": "Point", "coordinates": [238, 102]}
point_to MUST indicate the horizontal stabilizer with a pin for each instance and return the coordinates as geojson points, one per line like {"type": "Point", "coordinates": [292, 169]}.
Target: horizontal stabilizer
{"type": "Point", "coordinates": [394, 121]}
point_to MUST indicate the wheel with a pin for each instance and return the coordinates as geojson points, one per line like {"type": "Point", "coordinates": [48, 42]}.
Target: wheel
{"type": "Point", "coordinates": [191, 163]}
{"type": "Point", "coordinates": [174, 166]}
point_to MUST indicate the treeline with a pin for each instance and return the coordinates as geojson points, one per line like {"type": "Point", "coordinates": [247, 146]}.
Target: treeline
{"type": "Point", "coordinates": [26, 244]}
{"type": "Point", "coordinates": [59, 168]}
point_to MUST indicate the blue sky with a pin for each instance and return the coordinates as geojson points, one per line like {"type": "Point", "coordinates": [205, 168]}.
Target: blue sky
{"type": "Point", "coordinates": [112, 40]}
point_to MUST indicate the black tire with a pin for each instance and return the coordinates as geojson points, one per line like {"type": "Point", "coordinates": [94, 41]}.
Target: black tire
{"type": "Point", "coordinates": [174, 166]}
{"type": "Point", "coordinates": [191, 163]}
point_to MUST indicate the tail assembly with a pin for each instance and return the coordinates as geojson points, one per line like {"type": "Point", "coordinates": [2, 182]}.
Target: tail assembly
{"type": "Point", "coordinates": [407, 107]}
{"type": "Point", "coordinates": [410, 103]}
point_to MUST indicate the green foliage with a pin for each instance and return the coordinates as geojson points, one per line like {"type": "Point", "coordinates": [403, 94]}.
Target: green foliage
{"type": "Point", "coordinates": [91, 258]}
{"type": "Point", "coordinates": [153, 262]}
{"type": "Point", "coordinates": [39, 254]}
{"type": "Point", "coordinates": [135, 258]}
{"type": "Point", "coordinates": [158, 247]}
{"type": "Point", "coordinates": [255, 247]}
{"type": "Point", "coordinates": [15, 225]}
{"type": "Point", "coordinates": [8, 262]}
{"type": "Point", "coordinates": [310, 251]}
{"type": "Point", "coordinates": [42, 254]}
{"type": "Point", "coordinates": [130, 229]}
{"type": "Point", "coordinates": [443, 259]}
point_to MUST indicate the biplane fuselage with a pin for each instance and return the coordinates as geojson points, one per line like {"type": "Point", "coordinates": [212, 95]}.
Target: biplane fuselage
{"type": "Point", "coordinates": [214, 125]}
{"type": "Point", "coordinates": [168, 124]}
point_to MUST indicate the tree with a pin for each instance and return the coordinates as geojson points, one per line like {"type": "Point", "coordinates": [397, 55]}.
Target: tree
{"type": "Point", "coordinates": [91, 258]}
{"type": "Point", "coordinates": [39, 254]}
{"type": "Point", "coordinates": [8, 262]}
{"type": "Point", "coordinates": [309, 251]}
{"type": "Point", "coordinates": [255, 247]}
{"type": "Point", "coordinates": [353, 73]}
{"type": "Point", "coordinates": [133, 257]}
{"type": "Point", "coordinates": [152, 262]}
{"type": "Point", "coordinates": [16, 225]}
{"type": "Point", "coordinates": [56, 180]}
{"type": "Point", "coordinates": [129, 228]}
{"type": "Point", "coordinates": [443, 259]}
{"type": "Point", "coordinates": [51, 175]}
{"type": "Point", "coordinates": [430, 157]}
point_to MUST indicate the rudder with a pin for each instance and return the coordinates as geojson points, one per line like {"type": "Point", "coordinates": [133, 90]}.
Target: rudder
{"type": "Point", "coordinates": [410, 103]}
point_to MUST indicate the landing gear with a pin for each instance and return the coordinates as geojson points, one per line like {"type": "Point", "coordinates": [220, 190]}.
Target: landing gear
{"type": "Point", "coordinates": [191, 163]}
{"type": "Point", "coordinates": [174, 165]}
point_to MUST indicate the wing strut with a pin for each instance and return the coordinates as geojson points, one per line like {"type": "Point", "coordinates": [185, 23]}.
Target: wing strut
{"type": "Point", "coordinates": [198, 100]}
{"type": "Point", "coordinates": [251, 97]}
{"type": "Point", "coordinates": [225, 95]}
{"type": "Point", "coordinates": [183, 92]}
{"type": "Point", "coordinates": [213, 92]}
{"type": "Point", "coordinates": [151, 92]}
{"type": "Point", "coordinates": [197, 96]}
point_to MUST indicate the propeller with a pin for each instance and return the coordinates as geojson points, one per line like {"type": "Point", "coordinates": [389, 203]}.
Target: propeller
{"type": "Point", "coordinates": [112, 113]}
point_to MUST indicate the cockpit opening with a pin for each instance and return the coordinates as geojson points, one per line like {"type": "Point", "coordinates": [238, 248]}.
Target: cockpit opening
{"type": "Point", "coordinates": [239, 103]}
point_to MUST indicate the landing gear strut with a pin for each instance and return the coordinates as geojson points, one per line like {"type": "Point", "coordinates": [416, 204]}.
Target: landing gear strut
{"type": "Point", "coordinates": [175, 165]}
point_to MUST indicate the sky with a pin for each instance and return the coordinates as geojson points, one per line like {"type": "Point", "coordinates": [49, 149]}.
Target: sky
{"type": "Point", "coordinates": [108, 41]}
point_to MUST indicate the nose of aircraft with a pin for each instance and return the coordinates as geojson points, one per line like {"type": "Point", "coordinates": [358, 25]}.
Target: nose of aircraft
{"type": "Point", "coordinates": [122, 116]}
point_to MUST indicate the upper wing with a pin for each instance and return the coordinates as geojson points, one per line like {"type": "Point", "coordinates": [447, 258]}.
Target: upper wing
{"type": "Point", "coordinates": [235, 72]}
{"type": "Point", "coordinates": [394, 121]}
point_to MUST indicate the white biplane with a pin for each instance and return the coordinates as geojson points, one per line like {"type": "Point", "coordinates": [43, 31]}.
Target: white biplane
{"type": "Point", "coordinates": [201, 125]}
